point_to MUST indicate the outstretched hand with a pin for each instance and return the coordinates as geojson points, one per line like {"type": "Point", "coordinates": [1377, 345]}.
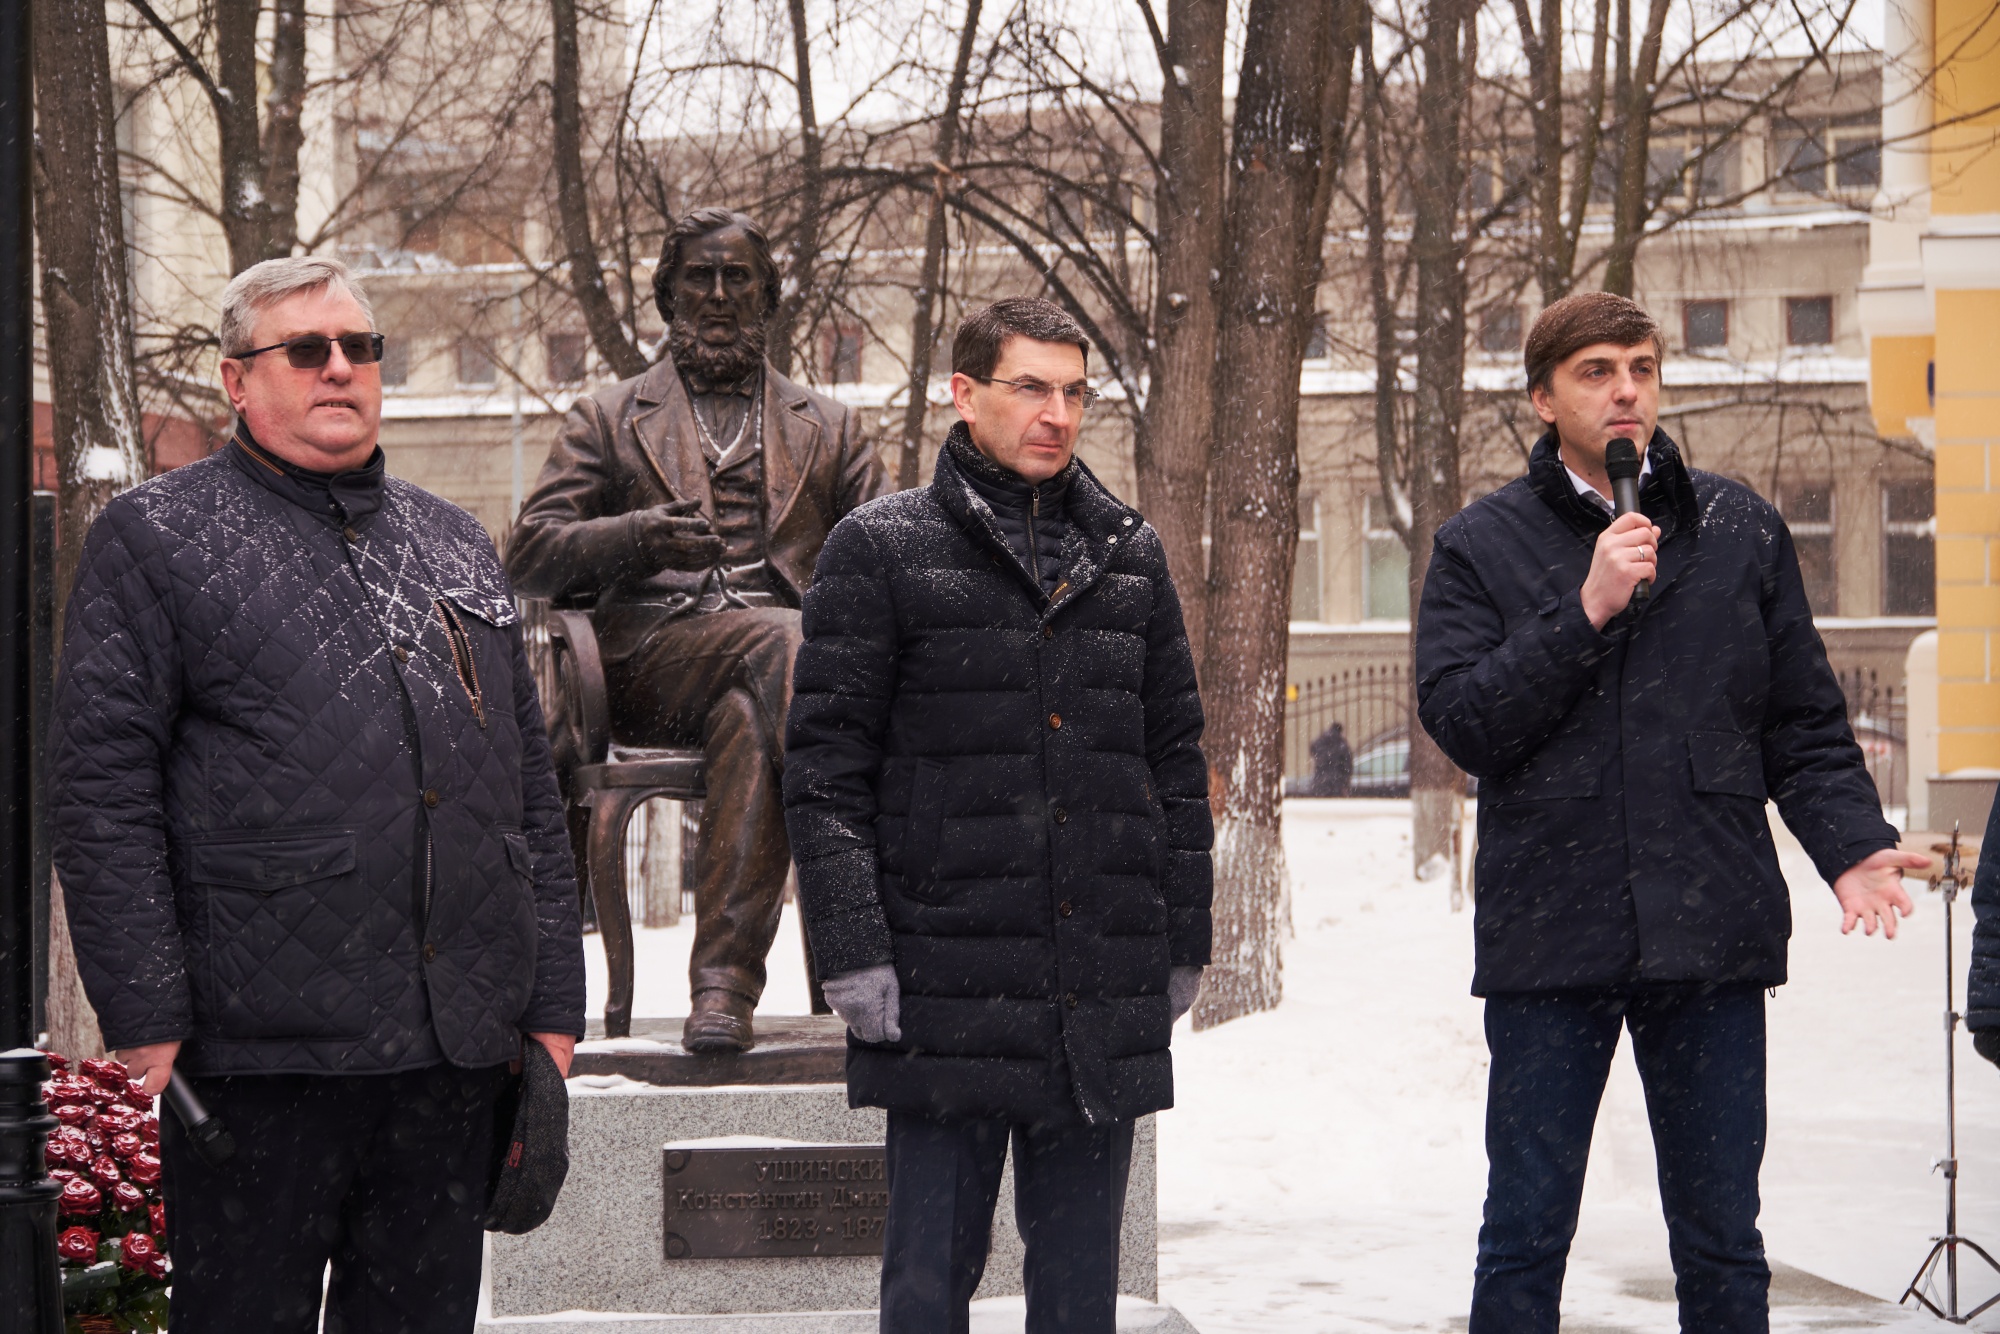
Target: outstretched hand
{"type": "Point", "coordinates": [1871, 891]}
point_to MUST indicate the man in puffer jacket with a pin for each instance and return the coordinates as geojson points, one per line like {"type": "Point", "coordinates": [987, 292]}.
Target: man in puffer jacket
{"type": "Point", "coordinates": [998, 805]}
{"type": "Point", "coordinates": [309, 837]}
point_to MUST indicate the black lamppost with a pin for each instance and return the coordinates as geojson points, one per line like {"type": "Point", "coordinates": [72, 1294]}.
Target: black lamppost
{"type": "Point", "coordinates": [30, 1285]}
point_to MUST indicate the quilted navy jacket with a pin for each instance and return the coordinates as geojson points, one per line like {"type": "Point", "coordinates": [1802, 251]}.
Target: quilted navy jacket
{"type": "Point", "coordinates": [1002, 792]}
{"type": "Point", "coordinates": [1623, 774]}
{"type": "Point", "coordinates": [305, 815]}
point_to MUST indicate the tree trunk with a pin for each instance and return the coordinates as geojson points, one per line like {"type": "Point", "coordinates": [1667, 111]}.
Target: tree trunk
{"type": "Point", "coordinates": [284, 129]}
{"type": "Point", "coordinates": [1176, 435]}
{"type": "Point", "coordinates": [1438, 245]}
{"type": "Point", "coordinates": [586, 274]}
{"type": "Point", "coordinates": [1267, 302]}
{"type": "Point", "coordinates": [99, 449]}
{"type": "Point", "coordinates": [804, 258]}
{"type": "Point", "coordinates": [1628, 212]}
{"type": "Point", "coordinates": [923, 327]}
{"type": "Point", "coordinates": [244, 211]}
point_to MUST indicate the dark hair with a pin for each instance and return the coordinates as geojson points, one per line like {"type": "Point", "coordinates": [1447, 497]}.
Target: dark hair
{"type": "Point", "coordinates": [1576, 322]}
{"type": "Point", "coordinates": [699, 224]}
{"type": "Point", "coordinates": [975, 348]}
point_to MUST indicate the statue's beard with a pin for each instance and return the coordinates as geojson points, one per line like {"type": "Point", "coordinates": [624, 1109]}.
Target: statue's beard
{"type": "Point", "coordinates": [729, 363]}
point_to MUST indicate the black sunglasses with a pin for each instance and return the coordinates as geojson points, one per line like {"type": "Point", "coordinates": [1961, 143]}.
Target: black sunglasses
{"type": "Point", "coordinates": [309, 352]}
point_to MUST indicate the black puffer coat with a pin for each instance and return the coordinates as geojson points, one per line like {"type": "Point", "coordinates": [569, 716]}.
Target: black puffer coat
{"type": "Point", "coordinates": [305, 815]}
{"type": "Point", "coordinates": [1623, 774]}
{"type": "Point", "coordinates": [1003, 793]}
{"type": "Point", "coordinates": [1982, 975]}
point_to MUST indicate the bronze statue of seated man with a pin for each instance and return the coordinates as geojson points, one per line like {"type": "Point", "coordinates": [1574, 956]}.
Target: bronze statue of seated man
{"type": "Point", "coordinates": [687, 506]}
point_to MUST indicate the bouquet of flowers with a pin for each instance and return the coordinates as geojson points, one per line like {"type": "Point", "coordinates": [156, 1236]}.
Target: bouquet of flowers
{"type": "Point", "coordinates": [112, 1218]}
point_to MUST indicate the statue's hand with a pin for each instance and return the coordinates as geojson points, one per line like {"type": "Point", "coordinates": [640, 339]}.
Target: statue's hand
{"type": "Point", "coordinates": [675, 536]}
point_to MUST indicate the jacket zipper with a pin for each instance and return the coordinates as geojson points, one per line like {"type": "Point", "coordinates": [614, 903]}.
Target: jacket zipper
{"type": "Point", "coordinates": [1034, 548]}
{"type": "Point", "coordinates": [461, 657]}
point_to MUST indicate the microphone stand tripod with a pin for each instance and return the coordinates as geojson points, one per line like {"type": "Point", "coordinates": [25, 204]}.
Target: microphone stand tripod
{"type": "Point", "coordinates": [1944, 1250]}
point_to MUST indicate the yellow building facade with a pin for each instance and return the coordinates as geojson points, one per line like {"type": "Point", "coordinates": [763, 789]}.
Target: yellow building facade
{"type": "Point", "coordinates": [1930, 303]}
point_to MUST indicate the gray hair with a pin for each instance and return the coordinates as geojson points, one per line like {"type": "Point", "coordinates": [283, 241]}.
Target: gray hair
{"type": "Point", "coordinates": [270, 282]}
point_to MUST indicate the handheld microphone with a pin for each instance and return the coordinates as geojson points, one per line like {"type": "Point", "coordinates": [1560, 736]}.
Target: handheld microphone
{"type": "Point", "coordinates": [212, 1139]}
{"type": "Point", "coordinates": [1621, 465]}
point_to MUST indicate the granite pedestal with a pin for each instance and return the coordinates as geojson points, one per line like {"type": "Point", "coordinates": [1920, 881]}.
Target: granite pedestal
{"type": "Point", "coordinates": [600, 1261]}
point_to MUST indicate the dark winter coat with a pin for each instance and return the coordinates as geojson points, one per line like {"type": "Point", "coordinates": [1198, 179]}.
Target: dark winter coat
{"type": "Point", "coordinates": [305, 815]}
{"type": "Point", "coordinates": [1003, 794]}
{"type": "Point", "coordinates": [1982, 977]}
{"type": "Point", "coordinates": [1623, 774]}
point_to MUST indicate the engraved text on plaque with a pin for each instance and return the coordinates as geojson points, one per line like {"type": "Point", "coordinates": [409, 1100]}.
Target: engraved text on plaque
{"type": "Point", "coordinates": [793, 1199]}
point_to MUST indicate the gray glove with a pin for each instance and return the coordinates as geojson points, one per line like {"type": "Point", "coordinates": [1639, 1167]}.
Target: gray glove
{"type": "Point", "coordinates": [1183, 985]}
{"type": "Point", "coordinates": [869, 1001]}
{"type": "Point", "coordinates": [675, 536]}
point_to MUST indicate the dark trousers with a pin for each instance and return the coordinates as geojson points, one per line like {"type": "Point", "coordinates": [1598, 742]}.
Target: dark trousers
{"type": "Point", "coordinates": [1700, 1053]}
{"type": "Point", "coordinates": [723, 680]}
{"type": "Point", "coordinates": [1069, 1202]}
{"type": "Point", "coordinates": [383, 1175]}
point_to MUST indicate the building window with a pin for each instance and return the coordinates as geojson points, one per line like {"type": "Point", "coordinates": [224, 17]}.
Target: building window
{"type": "Point", "coordinates": [1319, 342]}
{"type": "Point", "coordinates": [1808, 511]}
{"type": "Point", "coordinates": [843, 355]}
{"type": "Point", "coordinates": [475, 363]}
{"type": "Point", "coordinates": [1705, 324]}
{"type": "Point", "coordinates": [1500, 329]}
{"type": "Point", "coordinates": [1809, 321]}
{"type": "Point", "coordinates": [1305, 565]}
{"type": "Point", "coordinates": [1385, 577]}
{"type": "Point", "coordinates": [1801, 156]}
{"type": "Point", "coordinates": [1857, 159]}
{"type": "Point", "coordinates": [568, 357]}
{"type": "Point", "coordinates": [395, 362]}
{"type": "Point", "coordinates": [1909, 549]}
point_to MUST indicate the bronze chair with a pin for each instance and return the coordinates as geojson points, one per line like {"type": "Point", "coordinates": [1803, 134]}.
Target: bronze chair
{"type": "Point", "coordinates": [603, 783]}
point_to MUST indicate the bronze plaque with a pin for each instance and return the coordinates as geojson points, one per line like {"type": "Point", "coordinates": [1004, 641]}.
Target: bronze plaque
{"type": "Point", "coordinates": [792, 1199]}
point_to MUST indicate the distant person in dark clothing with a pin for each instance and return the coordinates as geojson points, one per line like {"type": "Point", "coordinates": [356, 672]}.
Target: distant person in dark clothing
{"type": "Point", "coordinates": [1333, 764]}
{"type": "Point", "coordinates": [1626, 878]}
{"type": "Point", "coordinates": [999, 806]}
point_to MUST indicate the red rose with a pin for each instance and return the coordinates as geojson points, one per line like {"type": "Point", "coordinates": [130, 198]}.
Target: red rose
{"type": "Point", "coordinates": [156, 1215]}
{"type": "Point", "coordinates": [145, 1169]}
{"type": "Point", "coordinates": [96, 1139]}
{"type": "Point", "coordinates": [149, 1129]}
{"type": "Point", "coordinates": [126, 1197]}
{"type": "Point", "coordinates": [126, 1147]}
{"type": "Point", "coordinates": [106, 1171]}
{"type": "Point", "coordinates": [136, 1250]}
{"type": "Point", "coordinates": [116, 1120]}
{"type": "Point", "coordinates": [61, 1174]}
{"type": "Point", "coordinates": [81, 1198]}
{"type": "Point", "coordinates": [134, 1096]}
{"type": "Point", "coordinates": [103, 1096]}
{"type": "Point", "coordinates": [111, 1074]}
{"type": "Point", "coordinates": [57, 1061]}
{"type": "Point", "coordinates": [74, 1113]}
{"type": "Point", "coordinates": [157, 1267]}
{"type": "Point", "coordinates": [69, 1145]}
{"type": "Point", "coordinates": [78, 1244]}
{"type": "Point", "coordinates": [69, 1090]}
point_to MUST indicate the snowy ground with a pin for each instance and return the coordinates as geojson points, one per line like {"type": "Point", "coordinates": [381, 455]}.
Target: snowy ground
{"type": "Point", "coordinates": [1323, 1170]}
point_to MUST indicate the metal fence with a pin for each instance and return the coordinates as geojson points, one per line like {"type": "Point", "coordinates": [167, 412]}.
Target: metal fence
{"type": "Point", "coordinates": [1879, 712]}
{"type": "Point", "coordinates": [1348, 735]}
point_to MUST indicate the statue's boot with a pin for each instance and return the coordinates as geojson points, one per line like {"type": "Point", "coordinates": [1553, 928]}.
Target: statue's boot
{"type": "Point", "coordinates": [720, 1022]}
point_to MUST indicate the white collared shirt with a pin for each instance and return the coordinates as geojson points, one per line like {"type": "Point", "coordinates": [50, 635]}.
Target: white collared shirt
{"type": "Point", "coordinates": [1596, 497]}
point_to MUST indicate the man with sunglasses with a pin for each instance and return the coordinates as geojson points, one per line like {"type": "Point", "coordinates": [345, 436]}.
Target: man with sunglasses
{"type": "Point", "coordinates": [685, 506]}
{"type": "Point", "coordinates": [308, 832]}
{"type": "Point", "coordinates": [999, 807]}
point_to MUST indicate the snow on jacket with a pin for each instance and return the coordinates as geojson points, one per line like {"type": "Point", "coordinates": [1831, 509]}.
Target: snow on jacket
{"type": "Point", "coordinates": [1003, 794]}
{"type": "Point", "coordinates": [305, 815]}
{"type": "Point", "coordinates": [1623, 774]}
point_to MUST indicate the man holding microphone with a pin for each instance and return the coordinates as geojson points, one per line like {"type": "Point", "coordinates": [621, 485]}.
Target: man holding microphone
{"type": "Point", "coordinates": [1626, 876]}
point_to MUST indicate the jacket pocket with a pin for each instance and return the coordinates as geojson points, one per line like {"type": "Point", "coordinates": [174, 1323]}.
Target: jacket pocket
{"type": "Point", "coordinates": [1726, 763]}
{"type": "Point", "coordinates": [1568, 768]}
{"type": "Point", "coordinates": [288, 953]}
{"type": "Point", "coordinates": [920, 844]}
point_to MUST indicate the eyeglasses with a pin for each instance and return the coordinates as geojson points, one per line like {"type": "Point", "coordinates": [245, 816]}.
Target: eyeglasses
{"type": "Point", "coordinates": [1079, 395]}
{"type": "Point", "coordinates": [309, 352]}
